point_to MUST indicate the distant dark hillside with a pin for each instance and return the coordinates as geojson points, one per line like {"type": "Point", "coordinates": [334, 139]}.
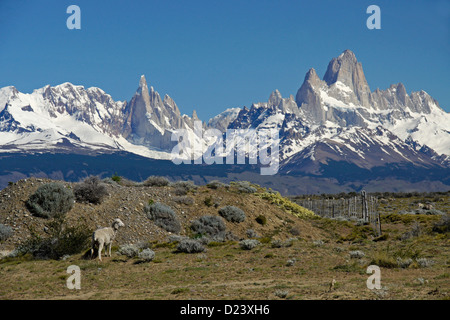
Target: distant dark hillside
{"type": "Point", "coordinates": [334, 178]}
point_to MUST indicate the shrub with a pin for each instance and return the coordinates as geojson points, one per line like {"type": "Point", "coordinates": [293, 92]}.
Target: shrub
{"type": "Point", "coordinates": [244, 186]}
{"type": "Point", "coordinates": [294, 231]}
{"type": "Point", "coordinates": [443, 225]}
{"type": "Point", "coordinates": [215, 184]}
{"type": "Point", "coordinates": [276, 243]}
{"type": "Point", "coordinates": [156, 181]}
{"type": "Point", "coordinates": [289, 242]}
{"type": "Point", "coordinates": [262, 220]}
{"type": "Point", "coordinates": [62, 241]}
{"type": "Point", "coordinates": [91, 190]}
{"type": "Point", "coordinates": [286, 205]}
{"type": "Point", "coordinates": [208, 201]}
{"type": "Point", "coordinates": [163, 216]}
{"type": "Point", "coordinates": [116, 178]}
{"type": "Point", "coordinates": [404, 263]}
{"type": "Point", "coordinates": [183, 200]}
{"type": "Point", "coordinates": [251, 233]}
{"type": "Point", "coordinates": [361, 222]}
{"type": "Point", "coordinates": [129, 250]}
{"type": "Point", "coordinates": [384, 260]}
{"type": "Point", "coordinates": [291, 262]}
{"type": "Point", "coordinates": [183, 187]}
{"type": "Point", "coordinates": [50, 200]}
{"type": "Point", "coordinates": [435, 212]}
{"type": "Point", "coordinates": [176, 238]}
{"type": "Point", "coordinates": [249, 244]}
{"type": "Point", "coordinates": [422, 211]}
{"type": "Point", "coordinates": [147, 255]}
{"type": "Point", "coordinates": [5, 232]}
{"type": "Point", "coordinates": [232, 214]}
{"type": "Point", "coordinates": [414, 232]}
{"type": "Point", "coordinates": [424, 262]}
{"type": "Point", "coordinates": [128, 183]}
{"type": "Point", "coordinates": [110, 181]}
{"type": "Point", "coordinates": [357, 254]}
{"type": "Point", "coordinates": [318, 243]}
{"type": "Point", "coordinates": [281, 293]}
{"type": "Point", "coordinates": [211, 226]}
{"type": "Point", "coordinates": [190, 246]}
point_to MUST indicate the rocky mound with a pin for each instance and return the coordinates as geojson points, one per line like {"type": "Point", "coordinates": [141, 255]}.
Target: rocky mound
{"type": "Point", "coordinates": [127, 202]}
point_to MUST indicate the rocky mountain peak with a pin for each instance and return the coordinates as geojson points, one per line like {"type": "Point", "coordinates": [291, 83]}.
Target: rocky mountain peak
{"type": "Point", "coordinates": [194, 116]}
{"type": "Point", "coordinates": [346, 69]}
{"type": "Point", "coordinates": [143, 82]}
{"type": "Point", "coordinates": [312, 77]}
{"type": "Point", "coordinates": [275, 98]}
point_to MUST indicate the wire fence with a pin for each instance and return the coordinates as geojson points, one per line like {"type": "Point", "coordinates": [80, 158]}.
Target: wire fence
{"type": "Point", "coordinates": [363, 208]}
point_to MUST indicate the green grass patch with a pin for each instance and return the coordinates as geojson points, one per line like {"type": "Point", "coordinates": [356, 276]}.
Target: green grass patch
{"type": "Point", "coordinates": [287, 205]}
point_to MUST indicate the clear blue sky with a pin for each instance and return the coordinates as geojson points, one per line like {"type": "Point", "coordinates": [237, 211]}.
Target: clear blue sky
{"type": "Point", "coordinates": [212, 55]}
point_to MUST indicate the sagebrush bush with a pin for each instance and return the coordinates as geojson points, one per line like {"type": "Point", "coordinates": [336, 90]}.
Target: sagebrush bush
{"type": "Point", "coordinates": [291, 262]}
{"type": "Point", "coordinates": [404, 263]}
{"type": "Point", "coordinates": [147, 255]}
{"type": "Point", "coordinates": [216, 184]}
{"type": "Point", "coordinates": [156, 181]}
{"type": "Point", "coordinates": [183, 187]}
{"type": "Point", "coordinates": [210, 226]}
{"type": "Point", "coordinates": [249, 244]}
{"type": "Point", "coordinates": [424, 262]}
{"type": "Point", "coordinates": [110, 181]}
{"type": "Point", "coordinates": [5, 232]}
{"type": "Point", "coordinates": [176, 238]}
{"type": "Point", "coordinates": [357, 254]}
{"type": "Point", "coordinates": [318, 243]}
{"type": "Point", "coordinates": [129, 250]}
{"type": "Point", "coordinates": [251, 233]}
{"type": "Point", "coordinates": [190, 246]}
{"type": "Point", "coordinates": [232, 214]}
{"type": "Point", "coordinates": [244, 186]}
{"type": "Point", "coordinates": [91, 190]}
{"type": "Point", "coordinates": [276, 243]}
{"type": "Point", "coordinates": [281, 293]}
{"type": "Point", "coordinates": [183, 200]}
{"type": "Point", "coordinates": [163, 216]}
{"type": "Point", "coordinates": [51, 200]}
{"type": "Point", "coordinates": [62, 240]}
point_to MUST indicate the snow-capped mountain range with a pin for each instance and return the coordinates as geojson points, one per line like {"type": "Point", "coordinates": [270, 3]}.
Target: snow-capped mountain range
{"type": "Point", "coordinates": [334, 119]}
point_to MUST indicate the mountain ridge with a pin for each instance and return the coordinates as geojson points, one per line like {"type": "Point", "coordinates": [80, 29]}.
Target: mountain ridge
{"type": "Point", "coordinates": [336, 118]}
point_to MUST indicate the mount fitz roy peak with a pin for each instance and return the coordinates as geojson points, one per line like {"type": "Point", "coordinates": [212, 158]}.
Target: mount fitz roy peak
{"type": "Point", "coordinates": [330, 121]}
{"type": "Point", "coordinates": [338, 118]}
